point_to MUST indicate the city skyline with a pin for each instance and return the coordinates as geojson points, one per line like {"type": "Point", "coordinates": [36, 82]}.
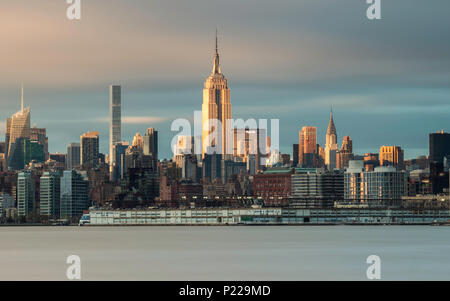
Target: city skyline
{"type": "Point", "coordinates": [313, 71]}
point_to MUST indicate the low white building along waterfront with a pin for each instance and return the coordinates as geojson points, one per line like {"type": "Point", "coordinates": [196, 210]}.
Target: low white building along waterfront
{"type": "Point", "coordinates": [266, 216]}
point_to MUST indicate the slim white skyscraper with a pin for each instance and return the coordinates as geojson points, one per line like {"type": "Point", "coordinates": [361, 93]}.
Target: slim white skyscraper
{"type": "Point", "coordinates": [115, 129]}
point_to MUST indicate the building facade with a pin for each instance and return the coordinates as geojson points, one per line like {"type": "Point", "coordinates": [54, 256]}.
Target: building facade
{"type": "Point", "coordinates": [216, 107]}
{"type": "Point", "coordinates": [50, 195]}
{"type": "Point", "coordinates": [115, 126]}
{"type": "Point", "coordinates": [383, 186]}
{"type": "Point", "coordinates": [307, 147]}
{"type": "Point", "coordinates": [25, 194]}
{"type": "Point", "coordinates": [74, 194]}
{"type": "Point", "coordinates": [392, 156]}
{"type": "Point", "coordinates": [89, 149]}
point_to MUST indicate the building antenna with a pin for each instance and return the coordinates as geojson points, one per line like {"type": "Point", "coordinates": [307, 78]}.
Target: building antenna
{"type": "Point", "coordinates": [21, 103]}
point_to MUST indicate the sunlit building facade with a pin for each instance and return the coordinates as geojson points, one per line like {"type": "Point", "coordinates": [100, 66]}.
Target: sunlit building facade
{"type": "Point", "coordinates": [216, 107]}
{"type": "Point", "coordinates": [307, 147]}
{"type": "Point", "coordinates": [391, 156]}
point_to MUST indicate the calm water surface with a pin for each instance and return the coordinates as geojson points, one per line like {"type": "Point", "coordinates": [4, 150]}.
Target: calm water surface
{"type": "Point", "coordinates": [225, 253]}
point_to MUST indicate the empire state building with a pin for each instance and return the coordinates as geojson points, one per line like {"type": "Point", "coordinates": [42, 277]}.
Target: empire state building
{"type": "Point", "coordinates": [216, 106]}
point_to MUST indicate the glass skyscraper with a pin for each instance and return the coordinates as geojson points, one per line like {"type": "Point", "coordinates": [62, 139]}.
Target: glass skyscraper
{"type": "Point", "coordinates": [115, 128]}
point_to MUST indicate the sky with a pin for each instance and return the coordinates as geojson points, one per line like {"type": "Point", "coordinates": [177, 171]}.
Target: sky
{"type": "Point", "coordinates": [387, 80]}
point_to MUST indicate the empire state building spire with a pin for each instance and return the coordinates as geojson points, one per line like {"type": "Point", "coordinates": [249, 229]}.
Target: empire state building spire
{"type": "Point", "coordinates": [216, 67]}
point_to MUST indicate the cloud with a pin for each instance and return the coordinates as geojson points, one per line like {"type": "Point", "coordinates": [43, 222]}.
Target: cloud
{"type": "Point", "coordinates": [136, 119]}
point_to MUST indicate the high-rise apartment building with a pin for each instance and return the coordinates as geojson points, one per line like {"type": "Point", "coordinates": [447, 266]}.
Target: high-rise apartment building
{"type": "Point", "coordinates": [216, 107]}
{"type": "Point", "coordinates": [50, 194]}
{"type": "Point", "coordinates": [74, 194]}
{"type": "Point", "coordinates": [73, 156]}
{"type": "Point", "coordinates": [89, 149]}
{"type": "Point", "coordinates": [115, 127]}
{"type": "Point", "coordinates": [307, 146]}
{"type": "Point", "coordinates": [391, 156]}
{"type": "Point", "coordinates": [25, 194]}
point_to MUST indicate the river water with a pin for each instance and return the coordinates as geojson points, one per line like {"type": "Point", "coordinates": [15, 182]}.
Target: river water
{"type": "Point", "coordinates": [225, 253]}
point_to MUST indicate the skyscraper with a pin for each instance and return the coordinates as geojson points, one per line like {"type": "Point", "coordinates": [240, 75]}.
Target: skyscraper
{"type": "Point", "coordinates": [74, 194]}
{"type": "Point", "coordinates": [73, 156]}
{"type": "Point", "coordinates": [50, 194]}
{"type": "Point", "coordinates": [17, 127]}
{"type": "Point", "coordinates": [331, 147]}
{"type": "Point", "coordinates": [89, 149]}
{"type": "Point", "coordinates": [119, 151]}
{"type": "Point", "coordinates": [439, 149]}
{"type": "Point", "coordinates": [307, 146]}
{"type": "Point", "coordinates": [391, 156]}
{"type": "Point", "coordinates": [439, 146]}
{"type": "Point", "coordinates": [216, 106]}
{"type": "Point", "coordinates": [295, 151]}
{"type": "Point", "coordinates": [151, 143]}
{"type": "Point", "coordinates": [25, 194]}
{"type": "Point", "coordinates": [115, 128]}
{"type": "Point", "coordinates": [346, 153]}
{"type": "Point", "coordinates": [40, 136]}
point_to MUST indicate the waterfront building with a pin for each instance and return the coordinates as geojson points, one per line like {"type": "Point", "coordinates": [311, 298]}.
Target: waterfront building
{"type": "Point", "coordinates": [25, 193]}
{"type": "Point", "coordinates": [6, 202]}
{"type": "Point", "coordinates": [216, 106]}
{"type": "Point", "coordinates": [392, 156]}
{"type": "Point", "coordinates": [307, 147]}
{"type": "Point", "coordinates": [89, 149]}
{"type": "Point", "coordinates": [317, 183]}
{"type": "Point", "coordinates": [274, 186]}
{"type": "Point", "coordinates": [50, 195]}
{"type": "Point", "coordinates": [268, 216]}
{"type": "Point", "coordinates": [331, 147]}
{"type": "Point", "coordinates": [383, 186]}
{"type": "Point", "coordinates": [74, 194]}
{"type": "Point", "coordinates": [73, 156]}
